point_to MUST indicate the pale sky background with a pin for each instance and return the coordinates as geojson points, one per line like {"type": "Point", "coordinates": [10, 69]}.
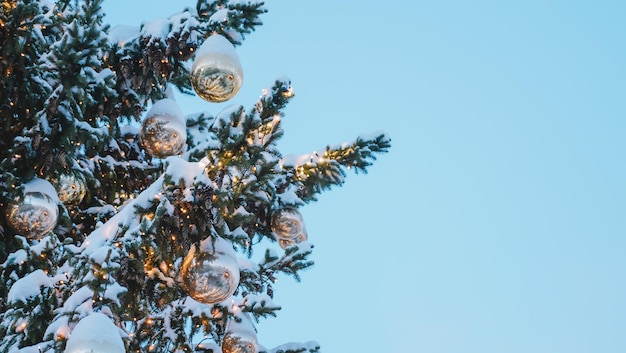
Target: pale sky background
{"type": "Point", "coordinates": [497, 222]}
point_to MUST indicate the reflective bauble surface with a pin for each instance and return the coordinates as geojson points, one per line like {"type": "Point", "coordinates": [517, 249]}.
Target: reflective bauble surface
{"type": "Point", "coordinates": [210, 273]}
{"type": "Point", "coordinates": [285, 243]}
{"type": "Point", "coordinates": [240, 335]}
{"type": "Point", "coordinates": [35, 213]}
{"type": "Point", "coordinates": [163, 131]}
{"type": "Point", "coordinates": [216, 74]}
{"type": "Point", "coordinates": [239, 343]}
{"type": "Point", "coordinates": [71, 188]}
{"type": "Point", "coordinates": [287, 223]}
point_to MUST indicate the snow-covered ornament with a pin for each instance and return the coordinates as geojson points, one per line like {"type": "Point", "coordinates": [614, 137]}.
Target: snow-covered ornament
{"type": "Point", "coordinates": [287, 223]}
{"type": "Point", "coordinates": [35, 213]}
{"type": "Point", "coordinates": [210, 274]}
{"type": "Point", "coordinates": [286, 243]}
{"type": "Point", "coordinates": [70, 188]}
{"type": "Point", "coordinates": [216, 74]}
{"type": "Point", "coordinates": [163, 131]}
{"type": "Point", "coordinates": [240, 336]}
{"type": "Point", "coordinates": [95, 333]}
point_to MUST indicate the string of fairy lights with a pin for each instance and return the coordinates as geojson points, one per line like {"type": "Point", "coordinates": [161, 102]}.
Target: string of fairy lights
{"type": "Point", "coordinates": [210, 272]}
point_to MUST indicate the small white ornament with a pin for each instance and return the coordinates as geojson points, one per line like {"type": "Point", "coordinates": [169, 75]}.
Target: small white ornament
{"type": "Point", "coordinates": [216, 74]}
{"type": "Point", "coordinates": [36, 213]}
{"type": "Point", "coordinates": [164, 131]}
{"type": "Point", "coordinates": [210, 274]}
{"type": "Point", "coordinates": [95, 333]}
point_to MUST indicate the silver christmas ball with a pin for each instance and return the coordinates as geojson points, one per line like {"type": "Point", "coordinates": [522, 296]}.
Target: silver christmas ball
{"type": "Point", "coordinates": [216, 74]}
{"type": "Point", "coordinates": [287, 223]}
{"type": "Point", "coordinates": [70, 188]}
{"type": "Point", "coordinates": [35, 213]}
{"type": "Point", "coordinates": [239, 343]}
{"type": "Point", "coordinates": [95, 333]}
{"type": "Point", "coordinates": [163, 131]}
{"type": "Point", "coordinates": [210, 274]}
{"type": "Point", "coordinates": [240, 336]}
{"type": "Point", "coordinates": [285, 243]}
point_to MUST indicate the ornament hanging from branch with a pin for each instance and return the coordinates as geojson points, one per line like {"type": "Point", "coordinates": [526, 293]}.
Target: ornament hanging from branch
{"type": "Point", "coordinates": [240, 336]}
{"type": "Point", "coordinates": [286, 243]}
{"type": "Point", "coordinates": [163, 131]}
{"type": "Point", "coordinates": [287, 223]}
{"type": "Point", "coordinates": [70, 187]}
{"type": "Point", "coordinates": [288, 227]}
{"type": "Point", "coordinates": [216, 74]}
{"type": "Point", "coordinates": [35, 213]}
{"type": "Point", "coordinates": [210, 274]}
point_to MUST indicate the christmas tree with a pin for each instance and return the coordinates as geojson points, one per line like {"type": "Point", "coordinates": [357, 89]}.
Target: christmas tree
{"type": "Point", "coordinates": [129, 225]}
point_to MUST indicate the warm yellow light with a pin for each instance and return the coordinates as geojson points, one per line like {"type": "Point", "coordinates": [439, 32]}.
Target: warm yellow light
{"type": "Point", "coordinates": [21, 326]}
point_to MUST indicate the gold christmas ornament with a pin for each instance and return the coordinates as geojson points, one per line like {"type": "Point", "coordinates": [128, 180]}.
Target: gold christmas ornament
{"type": "Point", "coordinates": [35, 213]}
{"type": "Point", "coordinates": [70, 187]}
{"type": "Point", "coordinates": [163, 131]}
{"type": "Point", "coordinates": [287, 223]}
{"type": "Point", "coordinates": [95, 333]}
{"type": "Point", "coordinates": [210, 274]}
{"type": "Point", "coordinates": [216, 74]}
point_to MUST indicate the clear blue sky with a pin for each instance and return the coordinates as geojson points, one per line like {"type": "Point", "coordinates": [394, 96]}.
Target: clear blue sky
{"type": "Point", "coordinates": [497, 222]}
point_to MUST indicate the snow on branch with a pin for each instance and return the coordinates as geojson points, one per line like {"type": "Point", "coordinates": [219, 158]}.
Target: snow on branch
{"type": "Point", "coordinates": [294, 347]}
{"type": "Point", "coordinates": [153, 55]}
{"type": "Point", "coordinates": [319, 170]}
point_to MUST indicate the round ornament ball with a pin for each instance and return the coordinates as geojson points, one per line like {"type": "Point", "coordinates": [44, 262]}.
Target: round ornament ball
{"type": "Point", "coordinates": [95, 333]}
{"type": "Point", "coordinates": [210, 273]}
{"type": "Point", "coordinates": [236, 342]}
{"type": "Point", "coordinates": [35, 213]}
{"type": "Point", "coordinates": [70, 188]}
{"type": "Point", "coordinates": [287, 223]}
{"type": "Point", "coordinates": [163, 131]}
{"type": "Point", "coordinates": [216, 74]}
{"type": "Point", "coordinates": [240, 336]}
{"type": "Point", "coordinates": [286, 243]}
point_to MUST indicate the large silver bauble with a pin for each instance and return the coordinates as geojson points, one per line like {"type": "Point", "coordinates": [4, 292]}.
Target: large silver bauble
{"type": "Point", "coordinates": [35, 213]}
{"type": "Point", "coordinates": [210, 274]}
{"type": "Point", "coordinates": [163, 131]}
{"type": "Point", "coordinates": [216, 74]}
{"type": "Point", "coordinates": [287, 223]}
{"type": "Point", "coordinates": [95, 333]}
{"type": "Point", "coordinates": [70, 188]}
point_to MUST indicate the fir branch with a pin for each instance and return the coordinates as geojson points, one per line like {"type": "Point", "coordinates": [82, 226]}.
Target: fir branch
{"type": "Point", "coordinates": [70, 84]}
{"type": "Point", "coordinates": [319, 171]}
{"type": "Point", "coordinates": [291, 262]}
{"type": "Point", "coordinates": [309, 347]}
{"type": "Point", "coordinates": [147, 62]}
